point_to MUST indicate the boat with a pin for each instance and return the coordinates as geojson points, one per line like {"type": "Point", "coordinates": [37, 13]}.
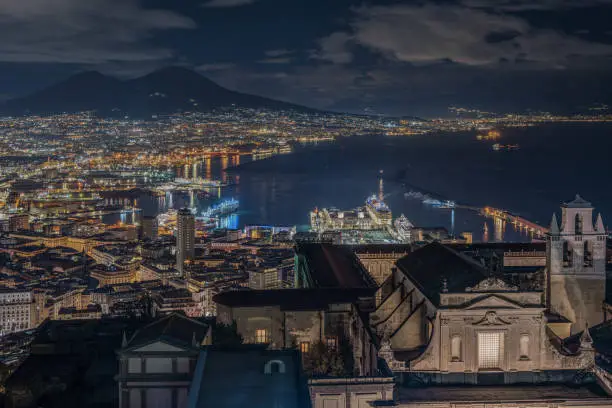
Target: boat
{"type": "Point", "coordinates": [223, 208]}
{"type": "Point", "coordinates": [378, 210]}
{"type": "Point", "coordinates": [206, 223]}
{"type": "Point", "coordinates": [203, 195]}
{"type": "Point", "coordinates": [491, 134]}
{"type": "Point", "coordinates": [498, 147]}
{"type": "Point", "coordinates": [414, 194]}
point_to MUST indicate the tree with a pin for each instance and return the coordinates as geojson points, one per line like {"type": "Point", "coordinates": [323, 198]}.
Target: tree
{"type": "Point", "coordinates": [226, 335]}
{"type": "Point", "coordinates": [322, 360]}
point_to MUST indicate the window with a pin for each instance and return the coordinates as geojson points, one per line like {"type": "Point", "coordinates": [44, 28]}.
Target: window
{"type": "Point", "coordinates": [331, 342]}
{"type": "Point", "coordinates": [456, 348]}
{"type": "Point", "coordinates": [578, 224]}
{"type": "Point", "coordinates": [261, 336]}
{"type": "Point", "coordinates": [524, 347]}
{"type": "Point", "coordinates": [568, 254]}
{"type": "Point", "coordinates": [134, 365]}
{"type": "Point", "coordinates": [490, 350]}
{"type": "Point", "coordinates": [159, 397]}
{"type": "Point", "coordinates": [588, 253]}
{"type": "Point", "coordinates": [182, 365]}
{"type": "Point", "coordinates": [274, 366]}
{"type": "Point", "coordinates": [158, 365]}
{"type": "Point", "coordinates": [135, 398]}
{"type": "Point", "coordinates": [304, 347]}
{"type": "Point", "coordinates": [182, 398]}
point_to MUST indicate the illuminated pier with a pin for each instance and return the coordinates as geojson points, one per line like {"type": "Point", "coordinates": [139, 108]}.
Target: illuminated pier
{"type": "Point", "coordinates": [518, 221]}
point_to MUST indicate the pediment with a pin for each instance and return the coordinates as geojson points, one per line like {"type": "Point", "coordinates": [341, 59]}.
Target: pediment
{"type": "Point", "coordinates": [491, 319]}
{"type": "Point", "coordinates": [158, 346]}
{"type": "Point", "coordinates": [493, 302]}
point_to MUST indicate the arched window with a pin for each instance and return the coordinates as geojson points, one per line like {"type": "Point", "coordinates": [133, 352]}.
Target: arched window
{"type": "Point", "coordinates": [456, 348]}
{"type": "Point", "coordinates": [588, 253]}
{"type": "Point", "coordinates": [578, 224]}
{"type": "Point", "coordinates": [274, 366]}
{"type": "Point", "coordinates": [524, 347]}
{"type": "Point", "coordinates": [568, 256]}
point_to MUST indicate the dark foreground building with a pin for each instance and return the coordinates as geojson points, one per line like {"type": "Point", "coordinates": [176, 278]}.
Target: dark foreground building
{"type": "Point", "coordinates": [249, 376]}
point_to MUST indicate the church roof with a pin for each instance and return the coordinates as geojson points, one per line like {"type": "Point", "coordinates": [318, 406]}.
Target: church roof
{"type": "Point", "coordinates": [334, 266]}
{"type": "Point", "coordinates": [292, 299]}
{"type": "Point", "coordinates": [381, 248]}
{"type": "Point", "coordinates": [601, 336]}
{"type": "Point", "coordinates": [578, 202]}
{"type": "Point", "coordinates": [435, 265]}
{"type": "Point", "coordinates": [175, 327]}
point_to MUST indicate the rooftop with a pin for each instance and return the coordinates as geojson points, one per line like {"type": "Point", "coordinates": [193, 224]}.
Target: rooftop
{"type": "Point", "coordinates": [333, 266]}
{"type": "Point", "coordinates": [220, 369]}
{"type": "Point", "coordinates": [435, 264]}
{"type": "Point", "coordinates": [499, 394]}
{"type": "Point", "coordinates": [578, 202]}
{"type": "Point", "coordinates": [292, 299]}
{"type": "Point", "coordinates": [176, 326]}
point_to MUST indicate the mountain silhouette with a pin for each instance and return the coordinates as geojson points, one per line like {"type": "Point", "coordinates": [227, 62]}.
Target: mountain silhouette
{"type": "Point", "coordinates": [168, 90]}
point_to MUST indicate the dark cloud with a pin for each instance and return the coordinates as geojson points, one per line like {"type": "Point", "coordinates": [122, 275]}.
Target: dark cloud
{"type": "Point", "coordinates": [392, 56]}
{"type": "Point", "coordinates": [278, 53]}
{"type": "Point", "coordinates": [468, 35]}
{"type": "Point", "coordinates": [279, 60]}
{"type": "Point", "coordinates": [227, 3]}
{"type": "Point", "coordinates": [527, 5]}
{"type": "Point", "coordinates": [89, 32]}
{"type": "Point", "coordinates": [215, 66]}
{"type": "Point", "coordinates": [501, 36]}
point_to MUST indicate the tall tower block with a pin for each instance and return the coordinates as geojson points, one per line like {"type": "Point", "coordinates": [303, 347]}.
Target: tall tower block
{"type": "Point", "coordinates": [576, 265]}
{"type": "Point", "coordinates": [185, 238]}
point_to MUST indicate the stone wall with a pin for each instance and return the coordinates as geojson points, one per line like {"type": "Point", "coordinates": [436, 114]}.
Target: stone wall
{"type": "Point", "coordinates": [350, 392]}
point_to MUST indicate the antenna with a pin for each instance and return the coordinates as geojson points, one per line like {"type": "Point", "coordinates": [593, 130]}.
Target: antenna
{"type": "Point", "coordinates": [381, 190]}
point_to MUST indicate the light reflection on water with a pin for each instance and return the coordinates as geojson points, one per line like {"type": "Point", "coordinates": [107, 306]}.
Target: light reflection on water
{"type": "Point", "coordinates": [283, 198]}
{"type": "Point", "coordinates": [283, 189]}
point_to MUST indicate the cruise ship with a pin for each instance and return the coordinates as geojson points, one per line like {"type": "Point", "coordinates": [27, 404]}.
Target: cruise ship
{"type": "Point", "coordinates": [378, 210]}
{"type": "Point", "coordinates": [374, 215]}
{"type": "Point", "coordinates": [223, 208]}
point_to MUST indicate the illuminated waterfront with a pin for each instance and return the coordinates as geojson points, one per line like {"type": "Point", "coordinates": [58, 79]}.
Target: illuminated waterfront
{"type": "Point", "coordinates": [284, 189]}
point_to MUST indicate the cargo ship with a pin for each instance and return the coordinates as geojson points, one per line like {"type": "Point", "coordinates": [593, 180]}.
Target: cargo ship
{"type": "Point", "coordinates": [497, 147]}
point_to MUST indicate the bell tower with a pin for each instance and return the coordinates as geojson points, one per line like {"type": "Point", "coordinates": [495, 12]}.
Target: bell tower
{"type": "Point", "coordinates": [576, 265]}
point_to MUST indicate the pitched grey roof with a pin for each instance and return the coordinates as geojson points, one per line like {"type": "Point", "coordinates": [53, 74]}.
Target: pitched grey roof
{"type": "Point", "coordinates": [175, 327]}
{"type": "Point", "coordinates": [435, 263]}
{"type": "Point", "coordinates": [236, 377]}
{"type": "Point", "coordinates": [578, 202]}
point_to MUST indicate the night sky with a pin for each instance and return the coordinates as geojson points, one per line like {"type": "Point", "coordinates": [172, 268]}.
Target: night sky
{"type": "Point", "coordinates": [392, 57]}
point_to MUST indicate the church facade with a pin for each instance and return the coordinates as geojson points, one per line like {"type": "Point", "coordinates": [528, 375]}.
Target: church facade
{"type": "Point", "coordinates": [444, 319]}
